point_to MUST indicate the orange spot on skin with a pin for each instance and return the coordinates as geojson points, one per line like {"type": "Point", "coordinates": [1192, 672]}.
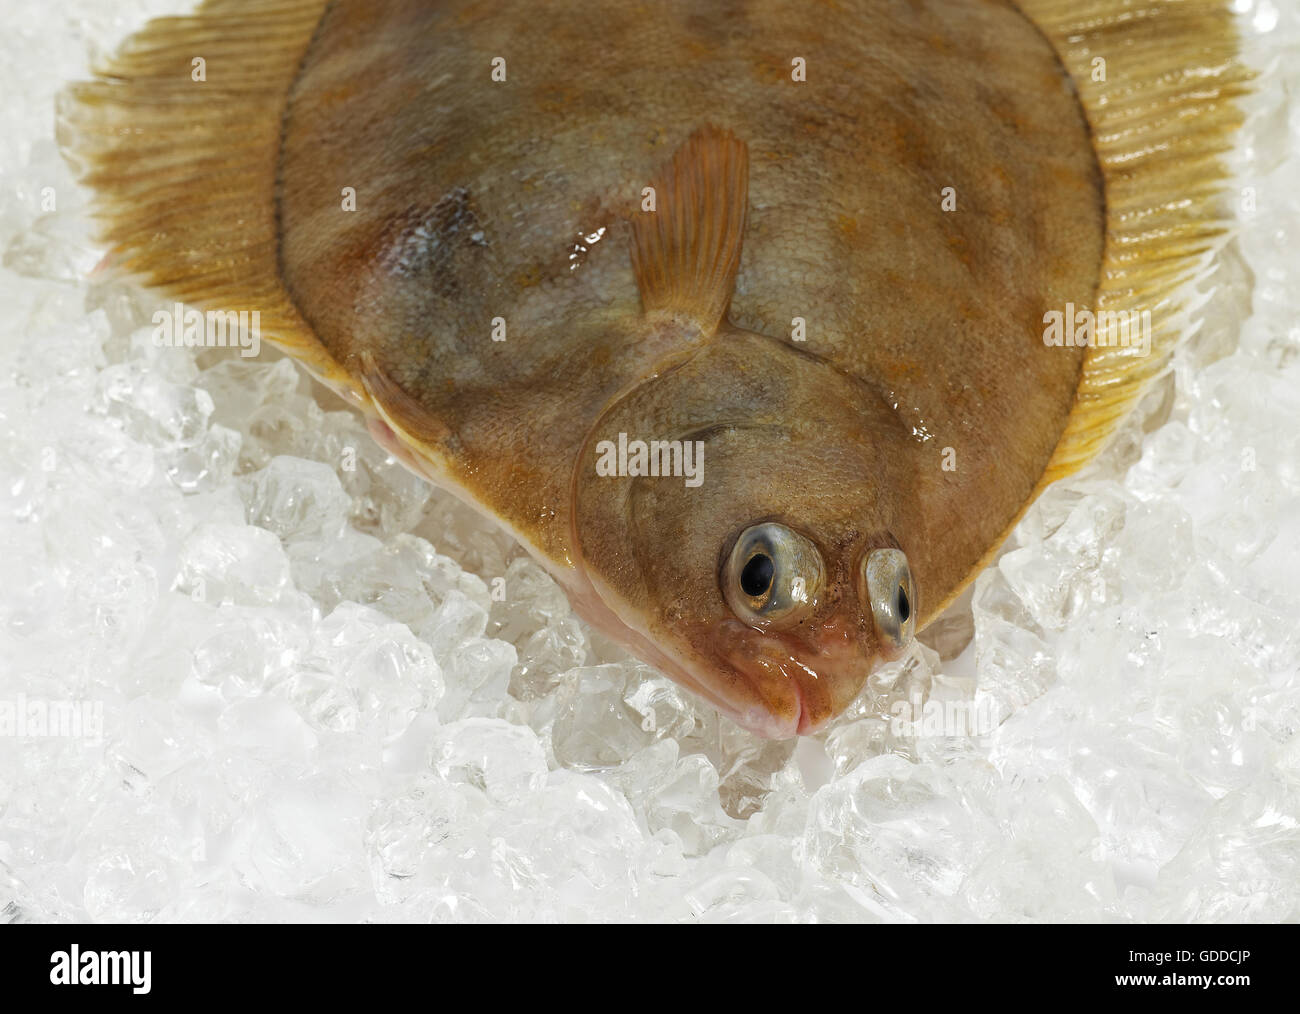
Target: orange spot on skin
{"type": "Point", "coordinates": [898, 140]}
{"type": "Point", "coordinates": [961, 249]}
{"type": "Point", "coordinates": [335, 96]}
{"type": "Point", "coordinates": [698, 50]}
{"type": "Point", "coordinates": [771, 70]}
{"type": "Point", "coordinates": [556, 100]}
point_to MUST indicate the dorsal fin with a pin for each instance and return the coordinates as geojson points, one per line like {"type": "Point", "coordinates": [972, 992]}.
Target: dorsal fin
{"type": "Point", "coordinates": [1161, 118]}
{"type": "Point", "coordinates": [184, 171]}
{"type": "Point", "coordinates": [685, 252]}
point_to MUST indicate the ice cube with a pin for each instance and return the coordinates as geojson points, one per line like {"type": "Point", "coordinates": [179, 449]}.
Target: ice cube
{"type": "Point", "coordinates": [296, 499]}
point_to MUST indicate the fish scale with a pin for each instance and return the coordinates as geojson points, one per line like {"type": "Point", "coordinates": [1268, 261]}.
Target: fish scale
{"type": "Point", "coordinates": [864, 216]}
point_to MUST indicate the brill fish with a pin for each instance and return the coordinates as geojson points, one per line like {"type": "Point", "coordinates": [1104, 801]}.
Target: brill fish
{"type": "Point", "coordinates": [758, 324]}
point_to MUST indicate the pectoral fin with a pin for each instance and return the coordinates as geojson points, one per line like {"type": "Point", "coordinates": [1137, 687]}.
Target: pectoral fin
{"type": "Point", "coordinates": [686, 251]}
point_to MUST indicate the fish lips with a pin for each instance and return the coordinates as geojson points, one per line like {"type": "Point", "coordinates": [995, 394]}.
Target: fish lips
{"type": "Point", "coordinates": [791, 683]}
{"type": "Point", "coordinates": [777, 683]}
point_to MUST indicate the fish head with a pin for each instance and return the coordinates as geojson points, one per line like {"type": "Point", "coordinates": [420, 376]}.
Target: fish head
{"type": "Point", "coordinates": [771, 573]}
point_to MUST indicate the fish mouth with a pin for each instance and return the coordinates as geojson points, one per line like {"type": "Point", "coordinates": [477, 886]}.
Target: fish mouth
{"type": "Point", "coordinates": [796, 682]}
{"type": "Point", "coordinates": [770, 693]}
{"type": "Point", "coordinates": [788, 719]}
{"type": "Point", "coordinates": [750, 699]}
{"type": "Point", "coordinates": [779, 708]}
{"type": "Point", "coordinates": [771, 716]}
{"type": "Point", "coordinates": [775, 684]}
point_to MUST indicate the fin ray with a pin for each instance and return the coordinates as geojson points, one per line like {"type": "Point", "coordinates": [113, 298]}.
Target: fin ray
{"type": "Point", "coordinates": [686, 252]}
{"type": "Point", "coordinates": [1161, 118]}
{"type": "Point", "coordinates": [184, 171]}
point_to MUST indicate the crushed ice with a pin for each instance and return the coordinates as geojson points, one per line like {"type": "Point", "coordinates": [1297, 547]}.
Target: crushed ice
{"type": "Point", "coordinates": [306, 698]}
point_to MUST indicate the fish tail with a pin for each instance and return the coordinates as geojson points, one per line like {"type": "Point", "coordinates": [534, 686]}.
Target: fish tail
{"type": "Point", "coordinates": [178, 135]}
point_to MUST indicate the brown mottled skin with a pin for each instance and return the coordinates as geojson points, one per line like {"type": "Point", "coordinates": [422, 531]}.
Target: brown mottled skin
{"type": "Point", "coordinates": [924, 326]}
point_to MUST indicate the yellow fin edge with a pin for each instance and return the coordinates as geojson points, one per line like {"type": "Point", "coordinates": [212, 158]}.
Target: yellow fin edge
{"type": "Point", "coordinates": [183, 169]}
{"type": "Point", "coordinates": [1162, 108]}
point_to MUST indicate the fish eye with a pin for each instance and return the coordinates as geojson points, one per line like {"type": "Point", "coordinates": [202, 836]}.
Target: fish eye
{"type": "Point", "coordinates": [772, 576]}
{"type": "Point", "coordinates": [889, 589]}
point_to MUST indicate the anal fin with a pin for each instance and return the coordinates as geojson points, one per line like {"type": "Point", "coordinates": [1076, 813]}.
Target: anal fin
{"type": "Point", "coordinates": [1162, 105]}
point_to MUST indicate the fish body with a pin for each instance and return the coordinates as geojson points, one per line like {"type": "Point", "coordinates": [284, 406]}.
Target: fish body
{"type": "Point", "coordinates": [798, 262]}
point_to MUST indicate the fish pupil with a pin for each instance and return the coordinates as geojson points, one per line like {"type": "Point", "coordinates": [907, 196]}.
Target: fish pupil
{"type": "Point", "coordinates": [904, 607]}
{"type": "Point", "coordinates": [756, 577]}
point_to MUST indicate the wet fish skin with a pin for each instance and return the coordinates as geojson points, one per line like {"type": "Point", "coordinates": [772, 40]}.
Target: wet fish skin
{"type": "Point", "coordinates": [475, 199]}
{"type": "Point", "coordinates": [935, 185]}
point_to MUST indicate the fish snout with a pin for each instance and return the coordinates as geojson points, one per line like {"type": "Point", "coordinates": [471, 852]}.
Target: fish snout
{"type": "Point", "coordinates": [796, 681]}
